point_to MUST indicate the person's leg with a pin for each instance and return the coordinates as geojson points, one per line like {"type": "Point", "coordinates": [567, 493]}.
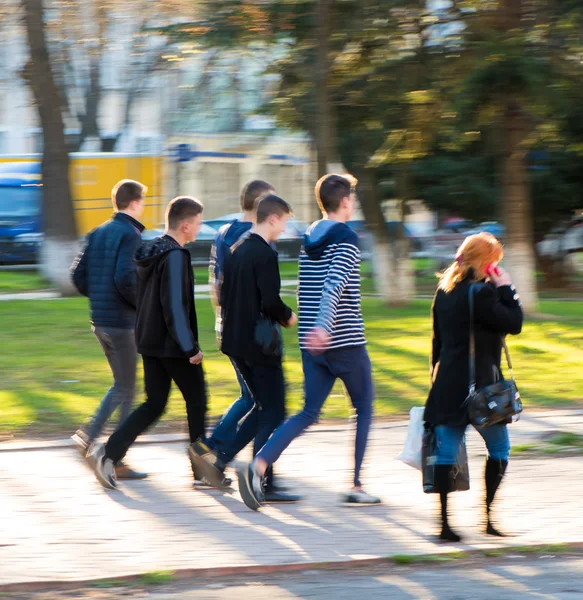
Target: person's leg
{"type": "Point", "coordinates": [354, 368]}
{"type": "Point", "coordinates": [225, 430]}
{"type": "Point", "coordinates": [498, 445]}
{"type": "Point", "coordinates": [119, 347]}
{"type": "Point", "coordinates": [191, 382]}
{"type": "Point", "coordinates": [447, 443]}
{"type": "Point", "coordinates": [318, 383]}
{"type": "Point", "coordinates": [157, 383]}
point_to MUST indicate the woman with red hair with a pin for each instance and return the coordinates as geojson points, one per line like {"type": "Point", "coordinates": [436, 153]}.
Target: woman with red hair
{"type": "Point", "coordinates": [497, 312]}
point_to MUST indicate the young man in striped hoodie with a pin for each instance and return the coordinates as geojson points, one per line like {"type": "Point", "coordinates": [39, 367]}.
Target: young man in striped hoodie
{"type": "Point", "coordinates": [331, 332]}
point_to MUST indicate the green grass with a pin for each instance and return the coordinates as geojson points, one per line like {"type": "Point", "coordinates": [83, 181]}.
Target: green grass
{"type": "Point", "coordinates": [564, 442]}
{"type": "Point", "coordinates": [53, 372]}
{"type": "Point", "coordinates": [16, 281]}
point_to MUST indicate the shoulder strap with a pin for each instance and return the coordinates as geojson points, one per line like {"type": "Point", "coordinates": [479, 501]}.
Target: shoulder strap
{"type": "Point", "coordinates": [473, 287]}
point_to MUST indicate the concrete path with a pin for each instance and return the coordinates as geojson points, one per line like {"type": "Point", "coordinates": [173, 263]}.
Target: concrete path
{"type": "Point", "coordinates": [57, 523]}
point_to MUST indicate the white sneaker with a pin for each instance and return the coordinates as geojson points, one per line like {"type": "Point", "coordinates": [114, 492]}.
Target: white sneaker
{"type": "Point", "coordinates": [102, 466]}
{"type": "Point", "coordinates": [359, 498]}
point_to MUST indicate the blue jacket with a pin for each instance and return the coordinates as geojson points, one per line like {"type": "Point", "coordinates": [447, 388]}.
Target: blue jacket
{"type": "Point", "coordinates": [105, 272]}
{"type": "Point", "coordinates": [227, 236]}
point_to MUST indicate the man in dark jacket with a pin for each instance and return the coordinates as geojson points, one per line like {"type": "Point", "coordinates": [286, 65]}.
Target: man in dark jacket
{"type": "Point", "coordinates": [105, 272]}
{"type": "Point", "coordinates": [166, 336]}
{"type": "Point", "coordinates": [222, 436]}
{"type": "Point", "coordinates": [250, 295]}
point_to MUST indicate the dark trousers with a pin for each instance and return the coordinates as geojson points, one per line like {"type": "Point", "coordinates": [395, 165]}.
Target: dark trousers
{"type": "Point", "coordinates": [158, 376]}
{"type": "Point", "coordinates": [353, 367]}
{"type": "Point", "coordinates": [267, 386]}
{"type": "Point", "coordinates": [225, 431]}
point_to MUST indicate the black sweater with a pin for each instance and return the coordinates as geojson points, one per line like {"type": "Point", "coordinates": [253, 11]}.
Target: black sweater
{"type": "Point", "coordinates": [251, 286]}
{"type": "Point", "coordinates": [166, 324]}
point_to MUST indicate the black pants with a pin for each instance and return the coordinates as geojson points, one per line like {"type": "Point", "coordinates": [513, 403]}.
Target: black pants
{"type": "Point", "coordinates": [158, 376]}
{"type": "Point", "coordinates": [267, 386]}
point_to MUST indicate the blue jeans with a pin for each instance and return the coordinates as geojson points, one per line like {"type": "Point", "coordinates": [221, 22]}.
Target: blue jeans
{"type": "Point", "coordinates": [223, 436]}
{"type": "Point", "coordinates": [448, 439]}
{"type": "Point", "coordinates": [353, 367]}
{"type": "Point", "coordinates": [119, 347]}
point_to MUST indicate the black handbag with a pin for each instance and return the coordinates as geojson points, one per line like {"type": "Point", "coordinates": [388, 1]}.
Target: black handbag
{"type": "Point", "coordinates": [498, 402]}
{"type": "Point", "coordinates": [460, 472]}
{"type": "Point", "coordinates": [268, 337]}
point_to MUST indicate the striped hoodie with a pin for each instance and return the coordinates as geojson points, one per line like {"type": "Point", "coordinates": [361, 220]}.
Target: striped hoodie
{"type": "Point", "coordinates": [329, 284]}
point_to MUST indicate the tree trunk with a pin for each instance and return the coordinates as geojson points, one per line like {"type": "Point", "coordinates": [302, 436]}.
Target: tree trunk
{"type": "Point", "coordinates": [516, 201]}
{"type": "Point", "coordinates": [393, 276]}
{"type": "Point", "coordinates": [60, 243]}
{"type": "Point", "coordinates": [519, 240]}
{"type": "Point", "coordinates": [321, 73]}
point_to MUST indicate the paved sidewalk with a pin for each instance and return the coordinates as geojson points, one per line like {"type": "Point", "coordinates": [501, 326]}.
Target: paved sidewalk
{"type": "Point", "coordinates": [57, 523]}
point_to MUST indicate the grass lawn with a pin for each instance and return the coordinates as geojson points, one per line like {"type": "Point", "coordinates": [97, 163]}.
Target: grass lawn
{"type": "Point", "coordinates": [53, 373]}
{"type": "Point", "coordinates": [27, 281]}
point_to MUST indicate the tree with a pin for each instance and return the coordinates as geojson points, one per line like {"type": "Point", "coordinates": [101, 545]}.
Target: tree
{"type": "Point", "coordinates": [60, 243]}
{"type": "Point", "coordinates": [318, 43]}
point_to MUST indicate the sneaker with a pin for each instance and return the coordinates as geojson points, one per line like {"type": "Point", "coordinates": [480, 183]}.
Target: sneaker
{"type": "Point", "coordinates": [250, 486]}
{"type": "Point", "coordinates": [102, 466]}
{"type": "Point", "coordinates": [202, 482]}
{"type": "Point", "coordinates": [82, 442]}
{"type": "Point", "coordinates": [122, 471]}
{"type": "Point", "coordinates": [205, 464]}
{"type": "Point", "coordinates": [359, 498]}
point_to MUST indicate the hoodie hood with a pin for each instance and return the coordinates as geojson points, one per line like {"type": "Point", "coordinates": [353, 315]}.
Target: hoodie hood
{"type": "Point", "coordinates": [150, 253]}
{"type": "Point", "coordinates": [233, 231]}
{"type": "Point", "coordinates": [322, 234]}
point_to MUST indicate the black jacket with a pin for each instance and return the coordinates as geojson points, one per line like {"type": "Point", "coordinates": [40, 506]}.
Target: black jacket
{"type": "Point", "coordinates": [166, 324]}
{"type": "Point", "coordinates": [497, 312]}
{"type": "Point", "coordinates": [105, 272]}
{"type": "Point", "coordinates": [251, 286]}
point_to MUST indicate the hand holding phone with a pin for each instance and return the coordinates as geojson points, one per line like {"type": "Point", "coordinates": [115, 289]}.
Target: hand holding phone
{"type": "Point", "coordinates": [492, 270]}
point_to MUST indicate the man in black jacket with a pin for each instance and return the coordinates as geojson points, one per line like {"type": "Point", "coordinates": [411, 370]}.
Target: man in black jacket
{"type": "Point", "coordinates": [105, 272]}
{"type": "Point", "coordinates": [166, 336]}
{"type": "Point", "coordinates": [250, 296]}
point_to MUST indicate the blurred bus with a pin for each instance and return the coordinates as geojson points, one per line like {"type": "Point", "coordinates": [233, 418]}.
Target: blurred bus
{"type": "Point", "coordinates": [92, 176]}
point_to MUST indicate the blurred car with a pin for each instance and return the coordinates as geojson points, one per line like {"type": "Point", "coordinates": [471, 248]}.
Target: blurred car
{"type": "Point", "coordinates": [294, 229]}
{"type": "Point", "coordinates": [206, 233]}
{"type": "Point", "coordinates": [493, 227]}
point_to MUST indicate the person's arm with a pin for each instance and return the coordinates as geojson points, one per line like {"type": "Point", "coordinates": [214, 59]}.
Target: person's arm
{"type": "Point", "coordinates": [436, 343]}
{"type": "Point", "coordinates": [173, 300]}
{"type": "Point", "coordinates": [269, 284]}
{"type": "Point", "coordinates": [79, 269]}
{"type": "Point", "coordinates": [498, 309]}
{"type": "Point", "coordinates": [124, 277]}
{"type": "Point", "coordinates": [345, 260]}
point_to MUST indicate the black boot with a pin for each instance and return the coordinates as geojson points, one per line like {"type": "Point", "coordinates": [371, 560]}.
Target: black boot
{"type": "Point", "coordinates": [443, 484]}
{"type": "Point", "coordinates": [494, 474]}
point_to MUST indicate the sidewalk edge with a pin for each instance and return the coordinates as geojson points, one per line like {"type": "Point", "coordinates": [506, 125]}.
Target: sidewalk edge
{"type": "Point", "coordinates": [255, 570]}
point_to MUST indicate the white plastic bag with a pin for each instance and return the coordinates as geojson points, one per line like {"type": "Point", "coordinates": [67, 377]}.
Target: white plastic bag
{"type": "Point", "coordinates": [411, 454]}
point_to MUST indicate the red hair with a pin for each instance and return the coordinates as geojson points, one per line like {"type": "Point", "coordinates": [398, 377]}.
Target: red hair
{"type": "Point", "coordinates": [472, 257]}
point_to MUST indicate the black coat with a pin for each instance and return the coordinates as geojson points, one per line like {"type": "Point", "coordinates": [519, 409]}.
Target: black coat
{"type": "Point", "coordinates": [251, 285]}
{"type": "Point", "coordinates": [105, 272]}
{"type": "Point", "coordinates": [166, 323]}
{"type": "Point", "coordinates": [497, 312]}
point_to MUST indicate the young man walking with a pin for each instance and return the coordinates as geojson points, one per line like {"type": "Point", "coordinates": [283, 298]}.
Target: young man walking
{"type": "Point", "coordinates": [253, 314]}
{"type": "Point", "coordinates": [331, 335]}
{"type": "Point", "coordinates": [221, 439]}
{"type": "Point", "coordinates": [105, 272]}
{"type": "Point", "coordinates": [166, 336]}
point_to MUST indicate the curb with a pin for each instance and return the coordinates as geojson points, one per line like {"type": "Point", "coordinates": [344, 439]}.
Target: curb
{"type": "Point", "coordinates": [159, 438]}
{"type": "Point", "coordinates": [262, 570]}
